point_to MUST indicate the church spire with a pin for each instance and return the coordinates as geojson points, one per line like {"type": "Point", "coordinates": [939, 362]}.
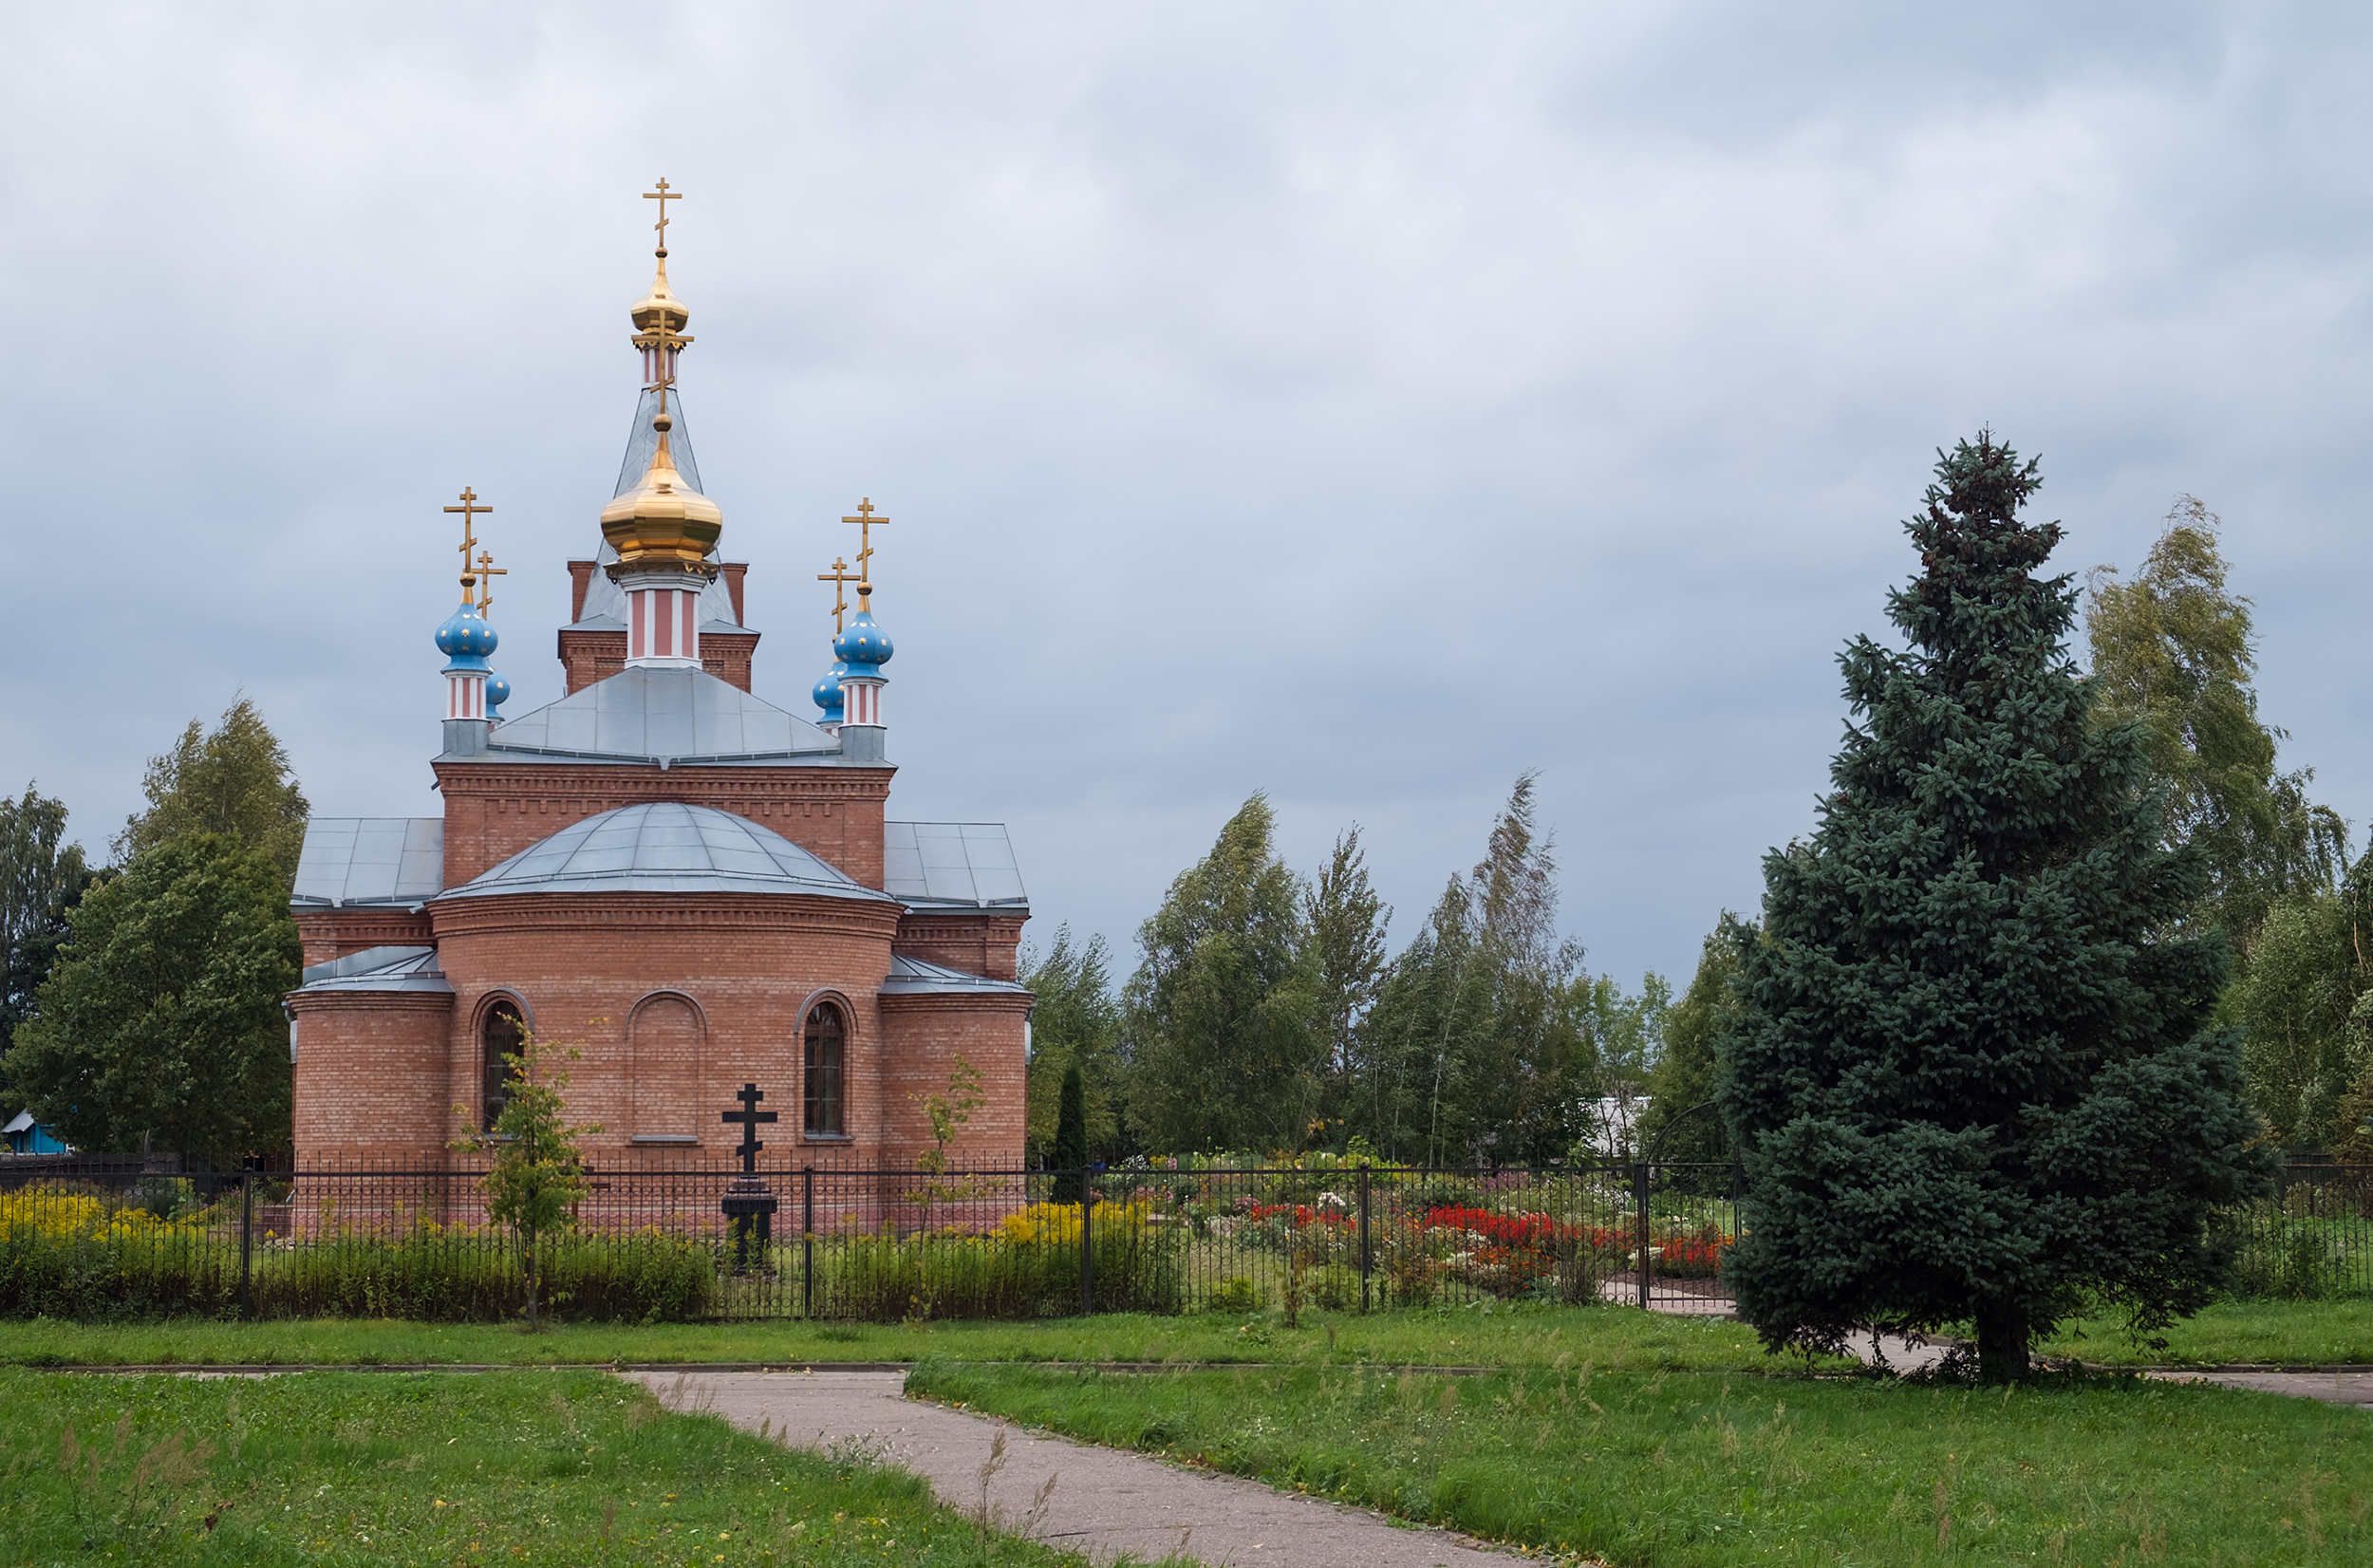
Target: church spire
{"type": "Point", "coordinates": [862, 648]}
{"type": "Point", "coordinates": [658, 316]}
{"type": "Point", "coordinates": [465, 640]}
{"type": "Point", "coordinates": [663, 529]}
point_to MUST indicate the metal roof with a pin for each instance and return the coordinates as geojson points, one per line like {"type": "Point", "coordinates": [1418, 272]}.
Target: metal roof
{"type": "Point", "coordinates": [665, 847]}
{"type": "Point", "coordinates": [379, 969]}
{"type": "Point", "coordinates": [649, 715]}
{"type": "Point", "coordinates": [370, 860]}
{"type": "Point", "coordinates": [951, 862]}
{"type": "Point", "coordinates": [914, 978]}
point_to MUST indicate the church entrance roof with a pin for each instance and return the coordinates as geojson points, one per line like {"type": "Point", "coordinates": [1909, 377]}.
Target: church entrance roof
{"type": "Point", "coordinates": [665, 847]}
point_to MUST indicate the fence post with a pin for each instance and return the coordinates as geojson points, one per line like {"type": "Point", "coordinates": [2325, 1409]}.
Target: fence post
{"type": "Point", "coordinates": [806, 1242]}
{"type": "Point", "coordinates": [1640, 1178]}
{"type": "Point", "coordinates": [1364, 1255]}
{"type": "Point", "coordinates": [1087, 1247]}
{"type": "Point", "coordinates": [247, 1243]}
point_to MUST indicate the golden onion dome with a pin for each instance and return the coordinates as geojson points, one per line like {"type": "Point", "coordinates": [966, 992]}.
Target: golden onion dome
{"type": "Point", "coordinates": [660, 303]}
{"type": "Point", "coordinates": [663, 522]}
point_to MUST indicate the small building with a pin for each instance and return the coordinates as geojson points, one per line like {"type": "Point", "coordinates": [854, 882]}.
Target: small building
{"type": "Point", "coordinates": [688, 886]}
{"type": "Point", "coordinates": [26, 1137]}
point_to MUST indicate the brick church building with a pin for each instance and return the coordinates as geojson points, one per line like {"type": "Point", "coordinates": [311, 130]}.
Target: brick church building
{"type": "Point", "coordinates": [692, 888]}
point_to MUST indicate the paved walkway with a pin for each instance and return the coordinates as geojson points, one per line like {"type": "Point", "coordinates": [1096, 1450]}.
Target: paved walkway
{"type": "Point", "coordinates": [2334, 1388]}
{"type": "Point", "coordinates": [1102, 1502]}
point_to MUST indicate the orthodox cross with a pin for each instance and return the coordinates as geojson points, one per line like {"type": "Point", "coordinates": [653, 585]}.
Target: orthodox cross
{"type": "Point", "coordinates": [470, 511]}
{"type": "Point", "coordinates": [866, 522]}
{"type": "Point", "coordinates": [839, 578]}
{"type": "Point", "coordinates": [487, 573]}
{"type": "Point", "coordinates": [662, 195]}
{"type": "Point", "coordinates": [749, 1116]}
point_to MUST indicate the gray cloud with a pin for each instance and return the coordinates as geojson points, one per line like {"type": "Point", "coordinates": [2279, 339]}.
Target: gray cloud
{"type": "Point", "coordinates": [1362, 402]}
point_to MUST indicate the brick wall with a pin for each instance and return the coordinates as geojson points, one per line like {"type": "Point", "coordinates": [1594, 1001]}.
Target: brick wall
{"type": "Point", "coordinates": [333, 933]}
{"type": "Point", "coordinates": [674, 1001]}
{"type": "Point", "coordinates": [975, 941]}
{"type": "Point", "coordinates": [926, 1034]}
{"type": "Point", "coordinates": [370, 1076]}
{"type": "Point", "coordinates": [494, 810]}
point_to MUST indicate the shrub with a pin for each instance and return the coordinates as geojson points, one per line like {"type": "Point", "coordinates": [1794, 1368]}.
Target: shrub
{"type": "Point", "coordinates": [1233, 1297]}
{"type": "Point", "coordinates": [73, 1255]}
{"type": "Point", "coordinates": [1027, 1267]}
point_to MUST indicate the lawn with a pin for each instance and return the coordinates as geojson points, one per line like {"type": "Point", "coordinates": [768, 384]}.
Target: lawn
{"type": "Point", "coordinates": [565, 1467]}
{"type": "Point", "coordinates": [1487, 1333]}
{"type": "Point", "coordinates": [1697, 1467]}
{"type": "Point", "coordinates": [2290, 1334]}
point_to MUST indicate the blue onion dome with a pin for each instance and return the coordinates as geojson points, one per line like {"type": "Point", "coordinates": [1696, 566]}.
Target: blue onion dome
{"type": "Point", "coordinates": [498, 691]}
{"type": "Point", "coordinates": [862, 646]}
{"type": "Point", "coordinates": [827, 692]}
{"type": "Point", "coordinates": [466, 638]}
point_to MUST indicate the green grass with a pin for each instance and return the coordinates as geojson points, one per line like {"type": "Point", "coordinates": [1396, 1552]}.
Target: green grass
{"type": "Point", "coordinates": [1480, 1336]}
{"type": "Point", "coordinates": [2292, 1334]}
{"type": "Point", "coordinates": [563, 1468]}
{"type": "Point", "coordinates": [1695, 1467]}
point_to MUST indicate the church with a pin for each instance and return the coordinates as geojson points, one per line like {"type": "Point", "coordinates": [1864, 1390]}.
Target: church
{"type": "Point", "coordinates": [689, 887]}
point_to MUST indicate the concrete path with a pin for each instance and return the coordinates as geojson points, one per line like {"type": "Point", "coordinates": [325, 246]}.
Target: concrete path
{"type": "Point", "coordinates": [2334, 1388]}
{"type": "Point", "coordinates": [1075, 1496]}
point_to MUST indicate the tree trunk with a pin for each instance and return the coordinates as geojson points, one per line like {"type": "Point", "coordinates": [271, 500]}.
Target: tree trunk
{"type": "Point", "coordinates": [2002, 1345]}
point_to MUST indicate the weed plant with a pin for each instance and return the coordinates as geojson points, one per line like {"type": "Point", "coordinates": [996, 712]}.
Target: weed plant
{"type": "Point", "coordinates": [1684, 1469]}
{"type": "Point", "coordinates": [392, 1470]}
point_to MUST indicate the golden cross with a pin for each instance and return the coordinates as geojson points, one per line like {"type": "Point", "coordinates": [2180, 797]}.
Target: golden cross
{"type": "Point", "coordinates": [487, 573]}
{"type": "Point", "coordinates": [838, 577]}
{"type": "Point", "coordinates": [866, 522]}
{"type": "Point", "coordinates": [470, 511]}
{"type": "Point", "coordinates": [662, 195]}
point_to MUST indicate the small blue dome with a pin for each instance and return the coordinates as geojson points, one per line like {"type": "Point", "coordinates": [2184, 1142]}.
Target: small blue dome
{"type": "Point", "coordinates": [862, 646]}
{"type": "Point", "coordinates": [466, 639]}
{"type": "Point", "coordinates": [498, 691]}
{"type": "Point", "coordinates": [827, 692]}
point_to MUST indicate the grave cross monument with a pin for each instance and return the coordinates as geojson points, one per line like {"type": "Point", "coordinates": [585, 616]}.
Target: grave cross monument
{"type": "Point", "coordinates": [747, 1198]}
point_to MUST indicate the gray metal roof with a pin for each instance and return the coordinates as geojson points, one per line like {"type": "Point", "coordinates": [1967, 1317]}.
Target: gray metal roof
{"type": "Point", "coordinates": [665, 847]}
{"type": "Point", "coordinates": [372, 860]}
{"type": "Point", "coordinates": [914, 978]}
{"type": "Point", "coordinates": [379, 969]}
{"type": "Point", "coordinates": [648, 715]}
{"type": "Point", "coordinates": [606, 601]}
{"type": "Point", "coordinates": [951, 862]}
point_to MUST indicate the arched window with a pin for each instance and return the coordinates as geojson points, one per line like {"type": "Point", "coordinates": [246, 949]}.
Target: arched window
{"type": "Point", "coordinates": [827, 1045]}
{"type": "Point", "coordinates": [498, 1037]}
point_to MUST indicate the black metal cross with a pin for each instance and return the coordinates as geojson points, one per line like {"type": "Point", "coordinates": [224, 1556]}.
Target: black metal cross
{"type": "Point", "coordinates": [749, 1116]}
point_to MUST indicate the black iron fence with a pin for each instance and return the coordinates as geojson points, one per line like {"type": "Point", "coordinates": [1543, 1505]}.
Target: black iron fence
{"type": "Point", "coordinates": [152, 1235]}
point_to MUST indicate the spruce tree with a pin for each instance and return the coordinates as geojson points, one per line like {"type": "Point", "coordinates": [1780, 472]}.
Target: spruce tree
{"type": "Point", "coordinates": [1972, 1074]}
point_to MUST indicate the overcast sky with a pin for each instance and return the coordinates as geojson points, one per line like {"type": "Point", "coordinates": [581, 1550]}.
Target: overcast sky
{"type": "Point", "coordinates": [1361, 403]}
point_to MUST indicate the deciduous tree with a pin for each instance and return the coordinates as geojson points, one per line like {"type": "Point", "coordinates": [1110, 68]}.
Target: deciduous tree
{"type": "Point", "coordinates": [234, 781]}
{"type": "Point", "coordinates": [162, 1021]}
{"type": "Point", "coordinates": [1481, 1045]}
{"type": "Point", "coordinates": [1075, 1020]}
{"type": "Point", "coordinates": [1219, 1015]}
{"type": "Point", "coordinates": [2174, 648]}
{"type": "Point", "coordinates": [1690, 1065]}
{"type": "Point", "coordinates": [42, 879]}
{"type": "Point", "coordinates": [538, 1175]}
